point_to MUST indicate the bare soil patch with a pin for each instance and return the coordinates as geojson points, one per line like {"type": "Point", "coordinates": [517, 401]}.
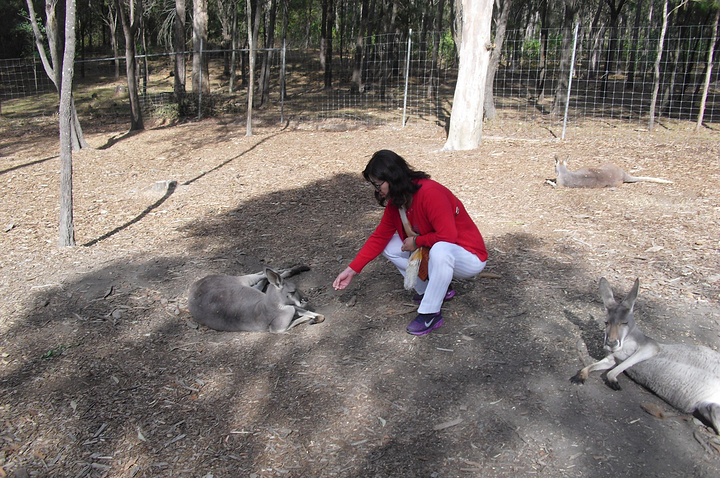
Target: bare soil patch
{"type": "Point", "coordinates": [103, 372]}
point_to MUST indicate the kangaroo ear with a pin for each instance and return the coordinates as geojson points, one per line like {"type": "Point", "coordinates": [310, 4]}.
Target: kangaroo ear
{"type": "Point", "coordinates": [565, 161]}
{"type": "Point", "coordinates": [557, 160]}
{"type": "Point", "coordinates": [606, 293]}
{"type": "Point", "coordinates": [629, 300]}
{"type": "Point", "coordinates": [273, 277]}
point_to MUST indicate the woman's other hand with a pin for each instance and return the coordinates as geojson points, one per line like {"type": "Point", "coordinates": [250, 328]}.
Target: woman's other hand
{"type": "Point", "coordinates": [408, 245]}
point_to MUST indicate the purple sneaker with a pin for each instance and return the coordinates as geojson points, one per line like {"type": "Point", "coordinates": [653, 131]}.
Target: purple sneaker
{"type": "Point", "coordinates": [425, 323]}
{"type": "Point", "coordinates": [417, 298]}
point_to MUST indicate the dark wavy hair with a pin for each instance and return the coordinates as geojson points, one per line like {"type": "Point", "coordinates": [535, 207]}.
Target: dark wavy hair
{"type": "Point", "coordinates": [386, 165]}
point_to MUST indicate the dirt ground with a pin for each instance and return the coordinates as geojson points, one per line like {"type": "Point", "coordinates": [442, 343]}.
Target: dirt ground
{"type": "Point", "coordinates": [104, 373]}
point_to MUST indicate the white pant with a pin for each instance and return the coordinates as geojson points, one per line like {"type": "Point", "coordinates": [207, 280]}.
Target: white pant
{"type": "Point", "coordinates": [447, 261]}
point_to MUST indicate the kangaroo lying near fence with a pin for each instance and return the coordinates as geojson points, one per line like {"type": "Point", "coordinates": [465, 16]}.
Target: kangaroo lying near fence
{"type": "Point", "coordinates": [685, 376]}
{"type": "Point", "coordinates": [261, 302]}
{"type": "Point", "coordinates": [607, 176]}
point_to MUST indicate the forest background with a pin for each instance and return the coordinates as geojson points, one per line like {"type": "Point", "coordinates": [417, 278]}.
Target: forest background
{"type": "Point", "coordinates": [352, 50]}
{"type": "Point", "coordinates": [539, 63]}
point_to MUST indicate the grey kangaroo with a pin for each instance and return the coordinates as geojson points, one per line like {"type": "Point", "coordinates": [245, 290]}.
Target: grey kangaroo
{"type": "Point", "coordinates": [685, 376]}
{"type": "Point", "coordinates": [606, 176]}
{"type": "Point", "coordinates": [261, 302]}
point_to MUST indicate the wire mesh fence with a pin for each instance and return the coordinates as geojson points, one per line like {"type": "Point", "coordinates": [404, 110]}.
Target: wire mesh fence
{"type": "Point", "coordinates": [612, 80]}
{"type": "Point", "coordinates": [401, 78]}
{"type": "Point", "coordinates": [390, 78]}
{"type": "Point", "coordinates": [23, 77]}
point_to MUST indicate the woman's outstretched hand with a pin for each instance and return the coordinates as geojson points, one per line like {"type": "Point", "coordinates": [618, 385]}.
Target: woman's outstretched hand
{"type": "Point", "coordinates": [343, 280]}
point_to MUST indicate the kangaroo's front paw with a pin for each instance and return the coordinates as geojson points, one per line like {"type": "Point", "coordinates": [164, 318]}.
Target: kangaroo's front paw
{"type": "Point", "coordinates": [614, 384]}
{"type": "Point", "coordinates": [579, 378]}
{"type": "Point", "coordinates": [318, 319]}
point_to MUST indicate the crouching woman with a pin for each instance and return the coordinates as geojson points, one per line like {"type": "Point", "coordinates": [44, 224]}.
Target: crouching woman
{"type": "Point", "coordinates": [419, 213]}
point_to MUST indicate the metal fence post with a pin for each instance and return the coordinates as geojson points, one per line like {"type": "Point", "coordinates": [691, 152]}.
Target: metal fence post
{"type": "Point", "coordinates": [407, 76]}
{"type": "Point", "coordinates": [35, 75]}
{"type": "Point", "coordinates": [200, 81]}
{"type": "Point", "coordinates": [282, 84]}
{"type": "Point", "coordinates": [572, 70]}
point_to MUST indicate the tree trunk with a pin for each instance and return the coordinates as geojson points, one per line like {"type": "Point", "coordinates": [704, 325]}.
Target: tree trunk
{"type": "Point", "coordinates": [200, 25]}
{"type": "Point", "coordinates": [708, 69]}
{"type": "Point", "coordinates": [233, 55]}
{"type": "Point", "coordinates": [111, 22]}
{"type": "Point", "coordinates": [67, 229]}
{"type": "Point", "coordinates": [77, 133]}
{"type": "Point", "coordinates": [264, 83]}
{"type": "Point", "coordinates": [53, 37]}
{"type": "Point", "coordinates": [251, 82]}
{"type": "Point", "coordinates": [341, 26]}
{"type": "Point", "coordinates": [500, 28]}
{"type": "Point", "coordinates": [257, 20]}
{"type": "Point", "coordinates": [392, 18]}
{"type": "Point", "coordinates": [561, 88]}
{"type": "Point", "coordinates": [434, 82]}
{"type": "Point", "coordinates": [285, 22]}
{"type": "Point", "coordinates": [326, 42]}
{"type": "Point", "coordinates": [179, 46]}
{"type": "Point", "coordinates": [542, 67]}
{"type": "Point", "coordinates": [357, 74]}
{"type": "Point", "coordinates": [323, 34]}
{"type": "Point", "coordinates": [146, 66]}
{"type": "Point", "coordinates": [668, 81]}
{"type": "Point", "coordinates": [226, 17]}
{"type": "Point", "coordinates": [465, 130]}
{"type": "Point", "coordinates": [613, 54]}
{"type": "Point", "coordinates": [658, 59]}
{"type": "Point", "coordinates": [82, 24]}
{"type": "Point", "coordinates": [308, 24]}
{"type": "Point", "coordinates": [130, 25]}
{"type": "Point", "coordinates": [52, 66]}
{"type": "Point", "coordinates": [630, 81]}
{"type": "Point", "coordinates": [595, 49]}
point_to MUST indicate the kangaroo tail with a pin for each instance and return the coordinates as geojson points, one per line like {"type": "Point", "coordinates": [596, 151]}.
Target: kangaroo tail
{"type": "Point", "coordinates": [295, 270]}
{"type": "Point", "coordinates": [637, 179]}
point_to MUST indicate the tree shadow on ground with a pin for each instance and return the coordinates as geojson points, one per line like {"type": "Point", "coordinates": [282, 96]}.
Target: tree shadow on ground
{"type": "Point", "coordinates": [107, 374]}
{"type": "Point", "coordinates": [169, 187]}
{"type": "Point", "coordinates": [25, 165]}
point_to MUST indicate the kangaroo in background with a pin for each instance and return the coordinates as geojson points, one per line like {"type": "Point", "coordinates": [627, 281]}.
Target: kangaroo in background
{"type": "Point", "coordinates": [603, 177]}
{"type": "Point", "coordinates": [260, 302]}
{"type": "Point", "coordinates": [685, 376]}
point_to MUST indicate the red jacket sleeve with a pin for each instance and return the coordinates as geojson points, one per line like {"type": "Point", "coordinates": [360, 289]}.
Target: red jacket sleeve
{"type": "Point", "coordinates": [375, 244]}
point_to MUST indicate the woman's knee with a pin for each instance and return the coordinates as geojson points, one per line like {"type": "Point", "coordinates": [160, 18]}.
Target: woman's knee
{"type": "Point", "coordinates": [394, 249]}
{"type": "Point", "coordinates": [463, 263]}
{"type": "Point", "coordinates": [441, 254]}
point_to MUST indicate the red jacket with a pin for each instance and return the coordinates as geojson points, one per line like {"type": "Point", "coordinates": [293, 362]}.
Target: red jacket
{"type": "Point", "coordinates": [436, 214]}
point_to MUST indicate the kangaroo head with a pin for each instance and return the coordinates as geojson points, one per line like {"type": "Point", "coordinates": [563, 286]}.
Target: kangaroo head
{"type": "Point", "coordinates": [282, 290]}
{"type": "Point", "coordinates": [620, 320]}
{"type": "Point", "coordinates": [560, 165]}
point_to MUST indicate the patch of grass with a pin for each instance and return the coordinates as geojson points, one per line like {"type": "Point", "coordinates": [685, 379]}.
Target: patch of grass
{"type": "Point", "coordinates": [37, 105]}
{"type": "Point", "coordinates": [170, 112]}
{"type": "Point", "coordinates": [56, 352]}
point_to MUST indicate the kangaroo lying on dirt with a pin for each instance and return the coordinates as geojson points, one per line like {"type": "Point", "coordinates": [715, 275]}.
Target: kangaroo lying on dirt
{"type": "Point", "coordinates": [685, 376]}
{"type": "Point", "coordinates": [242, 303]}
{"type": "Point", "coordinates": [606, 176]}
